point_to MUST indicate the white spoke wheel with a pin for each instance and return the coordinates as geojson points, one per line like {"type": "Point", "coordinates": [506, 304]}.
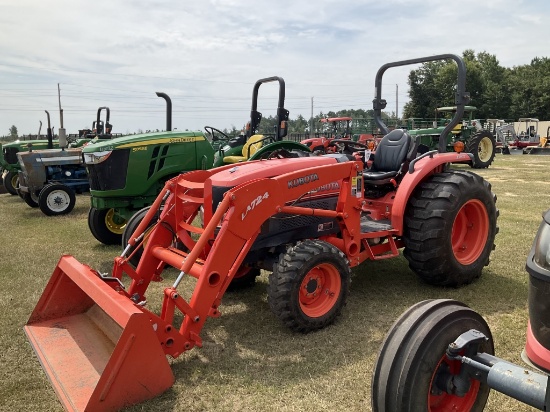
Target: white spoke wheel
{"type": "Point", "coordinates": [56, 199]}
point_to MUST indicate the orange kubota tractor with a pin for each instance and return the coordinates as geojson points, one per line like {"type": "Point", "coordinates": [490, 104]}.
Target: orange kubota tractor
{"type": "Point", "coordinates": [309, 220]}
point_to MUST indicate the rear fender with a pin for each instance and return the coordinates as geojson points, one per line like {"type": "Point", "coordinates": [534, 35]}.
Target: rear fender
{"type": "Point", "coordinates": [424, 168]}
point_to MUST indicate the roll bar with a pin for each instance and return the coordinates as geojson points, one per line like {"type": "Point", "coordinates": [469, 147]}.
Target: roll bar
{"type": "Point", "coordinates": [462, 97]}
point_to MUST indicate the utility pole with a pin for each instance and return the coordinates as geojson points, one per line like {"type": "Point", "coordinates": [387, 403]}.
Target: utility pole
{"type": "Point", "coordinates": [311, 121]}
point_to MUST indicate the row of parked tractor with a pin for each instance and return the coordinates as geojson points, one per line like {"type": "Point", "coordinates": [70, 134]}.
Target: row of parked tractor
{"type": "Point", "coordinates": [220, 209]}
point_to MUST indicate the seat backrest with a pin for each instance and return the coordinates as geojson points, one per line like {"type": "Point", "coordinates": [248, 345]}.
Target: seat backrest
{"type": "Point", "coordinates": [253, 144]}
{"type": "Point", "coordinates": [392, 151]}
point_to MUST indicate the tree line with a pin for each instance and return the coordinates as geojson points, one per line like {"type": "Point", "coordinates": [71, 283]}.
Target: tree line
{"type": "Point", "coordinates": [497, 92]}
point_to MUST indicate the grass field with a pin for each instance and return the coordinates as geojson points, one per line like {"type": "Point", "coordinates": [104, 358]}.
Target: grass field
{"type": "Point", "coordinates": [249, 361]}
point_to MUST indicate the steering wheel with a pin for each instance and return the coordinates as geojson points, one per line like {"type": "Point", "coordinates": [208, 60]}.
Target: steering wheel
{"type": "Point", "coordinates": [283, 153]}
{"type": "Point", "coordinates": [347, 146]}
{"type": "Point", "coordinates": [215, 133]}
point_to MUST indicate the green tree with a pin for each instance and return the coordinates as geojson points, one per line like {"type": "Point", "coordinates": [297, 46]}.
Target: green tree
{"type": "Point", "coordinates": [528, 87]}
{"type": "Point", "coordinates": [13, 133]}
{"type": "Point", "coordinates": [496, 91]}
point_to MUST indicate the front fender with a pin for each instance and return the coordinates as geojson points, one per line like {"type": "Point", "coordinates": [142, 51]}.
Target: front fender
{"type": "Point", "coordinates": [424, 168]}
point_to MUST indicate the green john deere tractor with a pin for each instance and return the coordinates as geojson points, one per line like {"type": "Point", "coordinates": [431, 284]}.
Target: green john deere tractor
{"type": "Point", "coordinates": [126, 174]}
{"type": "Point", "coordinates": [467, 136]}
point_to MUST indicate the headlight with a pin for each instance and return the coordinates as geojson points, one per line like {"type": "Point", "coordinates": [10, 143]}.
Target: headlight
{"type": "Point", "coordinates": [542, 247]}
{"type": "Point", "coordinates": [96, 157]}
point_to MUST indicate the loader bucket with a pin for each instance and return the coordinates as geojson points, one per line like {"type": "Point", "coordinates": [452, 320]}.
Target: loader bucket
{"type": "Point", "coordinates": [98, 348]}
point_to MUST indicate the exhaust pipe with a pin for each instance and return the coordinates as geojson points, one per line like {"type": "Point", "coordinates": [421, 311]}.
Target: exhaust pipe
{"type": "Point", "coordinates": [168, 110]}
{"type": "Point", "coordinates": [49, 135]}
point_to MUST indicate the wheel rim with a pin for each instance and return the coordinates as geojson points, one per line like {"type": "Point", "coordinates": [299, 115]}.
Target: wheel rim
{"type": "Point", "coordinates": [15, 181]}
{"type": "Point", "coordinates": [58, 200]}
{"type": "Point", "coordinates": [439, 399]}
{"type": "Point", "coordinates": [485, 149]}
{"type": "Point", "coordinates": [470, 231]}
{"type": "Point", "coordinates": [319, 290]}
{"type": "Point", "coordinates": [114, 223]}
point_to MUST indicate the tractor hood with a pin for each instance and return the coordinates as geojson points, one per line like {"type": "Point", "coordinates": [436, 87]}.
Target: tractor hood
{"type": "Point", "coordinates": [23, 144]}
{"type": "Point", "coordinates": [50, 157]}
{"type": "Point", "coordinates": [138, 141]}
{"type": "Point", "coordinates": [246, 171]}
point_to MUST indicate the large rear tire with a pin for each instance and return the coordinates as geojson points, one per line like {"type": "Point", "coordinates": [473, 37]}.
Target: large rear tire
{"type": "Point", "coordinates": [411, 362]}
{"type": "Point", "coordinates": [309, 285]}
{"type": "Point", "coordinates": [56, 199]}
{"type": "Point", "coordinates": [450, 228]}
{"type": "Point", "coordinates": [11, 182]}
{"type": "Point", "coordinates": [484, 147]}
{"type": "Point", "coordinates": [106, 226]}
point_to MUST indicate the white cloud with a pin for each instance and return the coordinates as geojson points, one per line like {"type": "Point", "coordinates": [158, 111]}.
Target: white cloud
{"type": "Point", "coordinates": [207, 55]}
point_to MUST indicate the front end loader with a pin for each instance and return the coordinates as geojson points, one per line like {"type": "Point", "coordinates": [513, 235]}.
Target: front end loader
{"type": "Point", "coordinates": [308, 219]}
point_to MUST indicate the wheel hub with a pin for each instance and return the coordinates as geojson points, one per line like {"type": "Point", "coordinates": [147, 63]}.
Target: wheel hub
{"type": "Point", "coordinates": [58, 200]}
{"type": "Point", "coordinates": [114, 223]}
{"type": "Point", "coordinates": [312, 285]}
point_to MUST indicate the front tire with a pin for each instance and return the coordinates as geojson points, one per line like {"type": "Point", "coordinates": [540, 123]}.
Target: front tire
{"type": "Point", "coordinates": [106, 226]}
{"type": "Point", "coordinates": [412, 363]}
{"type": "Point", "coordinates": [11, 182]}
{"type": "Point", "coordinates": [130, 228]}
{"type": "Point", "coordinates": [56, 199]}
{"type": "Point", "coordinates": [484, 147]}
{"type": "Point", "coordinates": [30, 199]}
{"type": "Point", "coordinates": [309, 285]}
{"type": "Point", "coordinates": [450, 228]}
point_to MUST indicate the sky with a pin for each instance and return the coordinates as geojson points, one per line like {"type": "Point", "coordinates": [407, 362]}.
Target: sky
{"type": "Point", "coordinates": [207, 55]}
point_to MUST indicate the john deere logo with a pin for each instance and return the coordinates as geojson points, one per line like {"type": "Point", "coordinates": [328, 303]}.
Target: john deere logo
{"type": "Point", "coordinates": [302, 180]}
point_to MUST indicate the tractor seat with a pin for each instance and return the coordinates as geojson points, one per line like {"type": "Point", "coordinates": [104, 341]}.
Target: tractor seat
{"type": "Point", "coordinates": [253, 144]}
{"type": "Point", "coordinates": [392, 152]}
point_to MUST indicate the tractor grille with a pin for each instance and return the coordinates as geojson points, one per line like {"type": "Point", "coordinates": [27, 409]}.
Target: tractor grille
{"type": "Point", "coordinates": [10, 155]}
{"type": "Point", "coordinates": [111, 173]}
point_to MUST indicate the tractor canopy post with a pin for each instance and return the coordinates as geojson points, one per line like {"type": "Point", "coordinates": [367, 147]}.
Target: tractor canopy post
{"type": "Point", "coordinates": [98, 121]}
{"type": "Point", "coordinates": [168, 110]}
{"type": "Point", "coordinates": [282, 113]}
{"type": "Point", "coordinates": [462, 97]}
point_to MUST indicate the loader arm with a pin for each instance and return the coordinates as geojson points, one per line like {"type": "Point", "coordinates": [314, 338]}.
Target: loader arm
{"type": "Point", "coordinates": [217, 255]}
